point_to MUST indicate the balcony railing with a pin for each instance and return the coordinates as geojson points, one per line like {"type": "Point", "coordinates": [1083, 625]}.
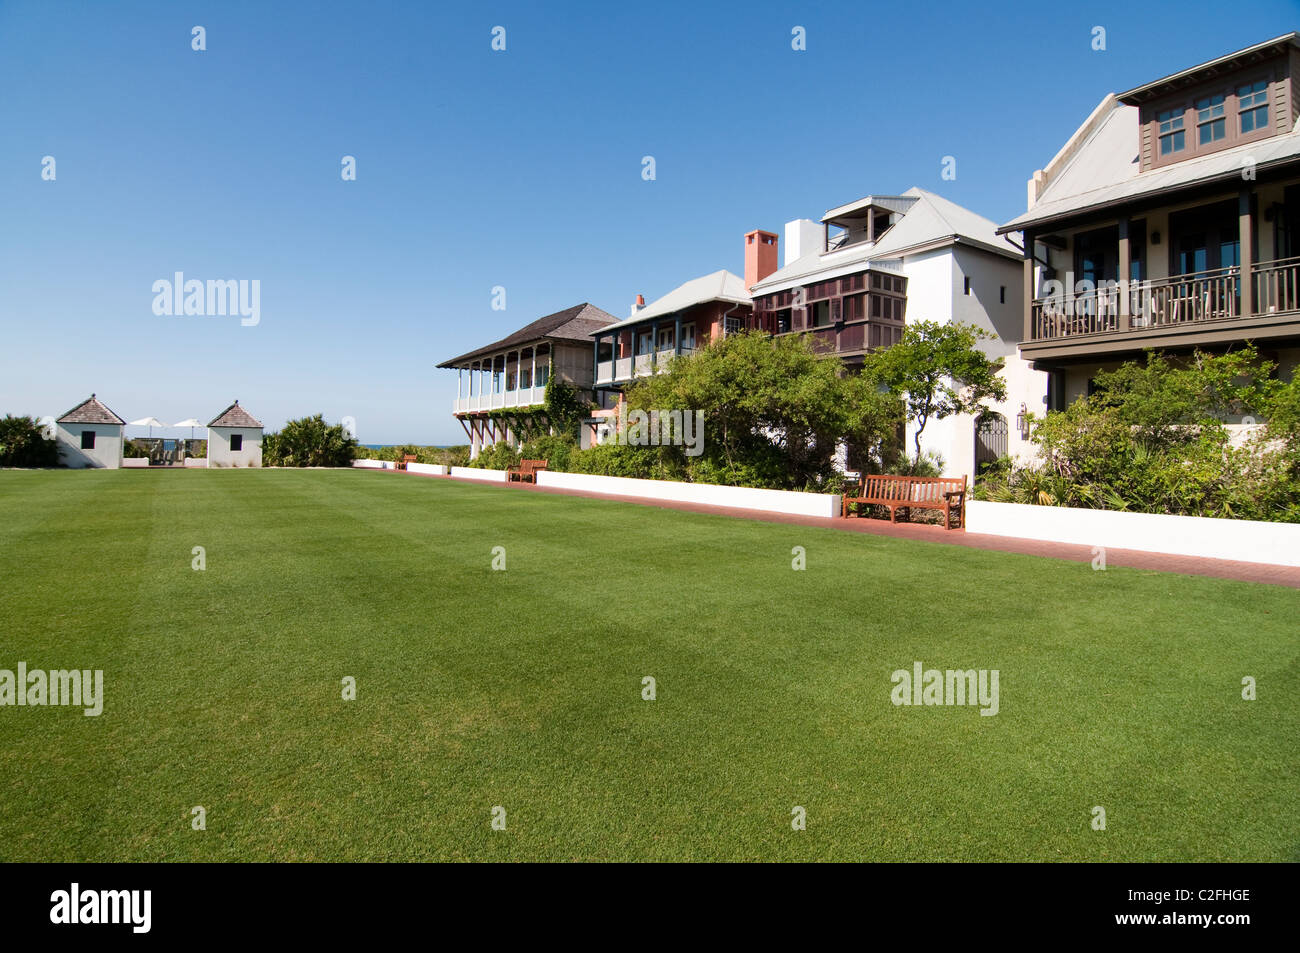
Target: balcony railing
{"type": "Point", "coordinates": [1277, 286]}
{"type": "Point", "coordinates": [1166, 302]}
{"type": "Point", "coordinates": [521, 397]}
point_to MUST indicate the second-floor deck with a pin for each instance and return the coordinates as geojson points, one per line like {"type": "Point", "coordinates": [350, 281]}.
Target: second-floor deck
{"type": "Point", "coordinates": [628, 368]}
{"type": "Point", "coordinates": [1205, 307]}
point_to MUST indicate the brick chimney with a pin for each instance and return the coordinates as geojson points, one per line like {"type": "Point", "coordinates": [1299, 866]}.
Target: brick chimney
{"type": "Point", "coordinates": [637, 305]}
{"type": "Point", "coordinates": [760, 256]}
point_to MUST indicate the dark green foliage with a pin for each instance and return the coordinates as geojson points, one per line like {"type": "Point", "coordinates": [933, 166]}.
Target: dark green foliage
{"type": "Point", "coordinates": [309, 442]}
{"type": "Point", "coordinates": [1152, 439]}
{"type": "Point", "coordinates": [23, 444]}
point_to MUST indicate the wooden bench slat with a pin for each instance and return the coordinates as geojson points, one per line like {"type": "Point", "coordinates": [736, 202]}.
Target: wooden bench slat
{"type": "Point", "coordinates": [902, 492]}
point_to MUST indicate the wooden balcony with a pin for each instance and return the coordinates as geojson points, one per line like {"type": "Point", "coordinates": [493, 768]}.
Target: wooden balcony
{"type": "Point", "coordinates": [1182, 311]}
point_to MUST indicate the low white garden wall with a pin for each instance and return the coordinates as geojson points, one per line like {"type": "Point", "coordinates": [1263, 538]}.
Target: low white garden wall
{"type": "Point", "coordinates": [435, 468]}
{"type": "Point", "coordinates": [196, 461]}
{"type": "Point", "coordinates": [135, 462]}
{"type": "Point", "coordinates": [744, 497]}
{"type": "Point", "coordinates": [1244, 540]}
{"type": "Point", "coordinates": [374, 464]}
{"type": "Point", "coordinates": [473, 473]}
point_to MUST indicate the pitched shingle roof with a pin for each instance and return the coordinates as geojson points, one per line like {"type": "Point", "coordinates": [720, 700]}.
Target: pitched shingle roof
{"type": "Point", "coordinates": [571, 324]}
{"type": "Point", "coordinates": [717, 286]}
{"type": "Point", "coordinates": [235, 416]}
{"type": "Point", "coordinates": [90, 411]}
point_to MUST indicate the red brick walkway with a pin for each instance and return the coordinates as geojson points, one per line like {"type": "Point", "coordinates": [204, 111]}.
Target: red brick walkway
{"type": "Point", "coordinates": [1130, 558]}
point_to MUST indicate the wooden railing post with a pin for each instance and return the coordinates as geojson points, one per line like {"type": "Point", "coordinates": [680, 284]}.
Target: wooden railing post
{"type": "Point", "coordinates": [1246, 233]}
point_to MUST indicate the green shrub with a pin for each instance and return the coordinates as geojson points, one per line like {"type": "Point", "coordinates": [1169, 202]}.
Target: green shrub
{"type": "Point", "coordinates": [309, 442]}
{"type": "Point", "coordinates": [556, 451]}
{"type": "Point", "coordinates": [23, 444]}
{"type": "Point", "coordinates": [499, 456]}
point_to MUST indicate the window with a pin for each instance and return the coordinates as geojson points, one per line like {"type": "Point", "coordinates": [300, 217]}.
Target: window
{"type": "Point", "coordinates": [733, 326]}
{"type": "Point", "coordinates": [236, 442]}
{"type": "Point", "coordinates": [665, 339]}
{"type": "Point", "coordinates": [1211, 123]}
{"type": "Point", "coordinates": [87, 440]}
{"type": "Point", "coordinates": [1252, 106]}
{"type": "Point", "coordinates": [1171, 131]}
{"type": "Point", "coordinates": [688, 336]}
{"type": "Point", "coordinates": [821, 314]}
{"type": "Point", "coordinates": [525, 377]}
{"type": "Point", "coordinates": [1002, 294]}
{"type": "Point", "coordinates": [544, 372]}
{"type": "Point", "coordinates": [784, 321]}
{"type": "Point", "coordinates": [966, 284]}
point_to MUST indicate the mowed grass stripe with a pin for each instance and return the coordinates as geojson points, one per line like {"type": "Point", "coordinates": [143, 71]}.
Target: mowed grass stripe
{"type": "Point", "coordinates": [522, 688]}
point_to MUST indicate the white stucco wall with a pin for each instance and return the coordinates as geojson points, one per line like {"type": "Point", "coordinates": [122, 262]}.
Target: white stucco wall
{"type": "Point", "coordinates": [108, 446]}
{"type": "Point", "coordinates": [1243, 540]}
{"type": "Point", "coordinates": [936, 292]}
{"type": "Point", "coordinates": [220, 454]}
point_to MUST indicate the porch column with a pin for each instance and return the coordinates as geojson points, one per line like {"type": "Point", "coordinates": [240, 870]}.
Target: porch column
{"type": "Point", "coordinates": [1125, 267]}
{"type": "Point", "coordinates": [532, 378]}
{"type": "Point", "coordinates": [654, 345]}
{"type": "Point", "coordinates": [1245, 238]}
{"type": "Point", "coordinates": [677, 333]}
{"type": "Point", "coordinates": [595, 358]}
{"type": "Point", "coordinates": [1029, 287]}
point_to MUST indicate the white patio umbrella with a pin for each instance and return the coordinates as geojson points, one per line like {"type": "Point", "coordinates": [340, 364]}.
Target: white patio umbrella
{"type": "Point", "coordinates": [149, 422]}
{"type": "Point", "coordinates": [188, 422]}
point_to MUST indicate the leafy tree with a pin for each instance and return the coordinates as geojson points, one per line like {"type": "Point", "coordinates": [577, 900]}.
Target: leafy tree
{"type": "Point", "coordinates": [23, 444]}
{"type": "Point", "coordinates": [1167, 402]}
{"type": "Point", "coordinates": [309, 442]}
{"type": "Point", "coordinates": [938, 370]}
{"type": "Point", "coordinates": [774, 412]}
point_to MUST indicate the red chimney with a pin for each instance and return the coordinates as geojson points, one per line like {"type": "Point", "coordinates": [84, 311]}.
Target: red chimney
{"type": "Point", "coordinates": [760, 256]}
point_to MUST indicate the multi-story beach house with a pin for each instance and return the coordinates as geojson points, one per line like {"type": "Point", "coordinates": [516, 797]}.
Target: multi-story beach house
{"type": "Point", "coordinates": [686, 318]}
{"type": "Point", "coordinates": [500, 381]}
{"type": "Point", "coordinates": [1170, 220]}
{"type": "Point", "coordinates": [855, 278]}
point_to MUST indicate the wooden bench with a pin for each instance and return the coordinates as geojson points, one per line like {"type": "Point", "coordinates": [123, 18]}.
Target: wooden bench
{"type": "Point", "coordinates": [909, 493]}
{"type": "Point", "coordinates": [407, 458]}
{"type": "Point", "coordinates": [526, 472]}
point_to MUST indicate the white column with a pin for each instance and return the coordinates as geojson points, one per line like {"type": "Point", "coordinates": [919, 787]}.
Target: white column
{"type": "Point", "coordinates": [532, 396]}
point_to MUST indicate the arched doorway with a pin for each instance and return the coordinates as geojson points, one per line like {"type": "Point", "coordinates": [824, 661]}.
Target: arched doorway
{"type": "Point", "coordinates": [991, 436]}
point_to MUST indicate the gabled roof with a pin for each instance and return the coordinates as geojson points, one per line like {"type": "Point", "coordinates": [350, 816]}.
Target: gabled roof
{"type": "Point", "coordinates": [931, 221]}
{"type": "Point", "coordinates": [1100, 165]}
{"type": "Point", "coordinates": [571, 324]}
{"type": "Point", "coordinates": [1211, 68]}
{"type": "Point", "coordinates": [90, 411]}
{"type": "Point", "coordinates": [234, 416]}
{"type": "Point", "coordinates": [1105, 170]}
{"type": "Point", "coordinates": [935, 221]}
{"type": "Point", "coordinates": [718, 286]}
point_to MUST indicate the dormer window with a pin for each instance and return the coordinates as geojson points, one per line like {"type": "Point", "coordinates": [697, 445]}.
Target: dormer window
{"type": "Point", "coordinates": [1171, 131]}
{"type": "Point", "coordinates": [1211, 123]}
{"type": "Point", "coordinates": [1252, 105]}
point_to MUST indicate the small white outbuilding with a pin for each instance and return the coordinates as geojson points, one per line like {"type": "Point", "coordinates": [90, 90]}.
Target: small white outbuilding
{"type": "Point", "coordinates": [235, 439]}
{"type": "Point", "coordinates": [90, 435]}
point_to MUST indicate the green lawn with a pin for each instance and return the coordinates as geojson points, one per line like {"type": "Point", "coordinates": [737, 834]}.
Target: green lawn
{"type": "Point", "coordinates": [522, 688]}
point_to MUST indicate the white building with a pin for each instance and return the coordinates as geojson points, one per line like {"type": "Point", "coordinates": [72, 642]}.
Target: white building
{"type": "Point", "coordinates": [90, 435]}
{"type": "Point", "coordinates": [234, 439]}
{"type": "Point", "coordinates": [905, 258]}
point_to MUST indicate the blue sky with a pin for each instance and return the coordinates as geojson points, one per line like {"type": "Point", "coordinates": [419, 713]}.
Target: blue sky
{"type": "Point", "coordinates": [478, 168]}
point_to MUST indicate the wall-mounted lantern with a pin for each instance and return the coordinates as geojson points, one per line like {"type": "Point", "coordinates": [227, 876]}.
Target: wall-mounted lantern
{"type": "Point", "coordinates": [1022, 422]}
